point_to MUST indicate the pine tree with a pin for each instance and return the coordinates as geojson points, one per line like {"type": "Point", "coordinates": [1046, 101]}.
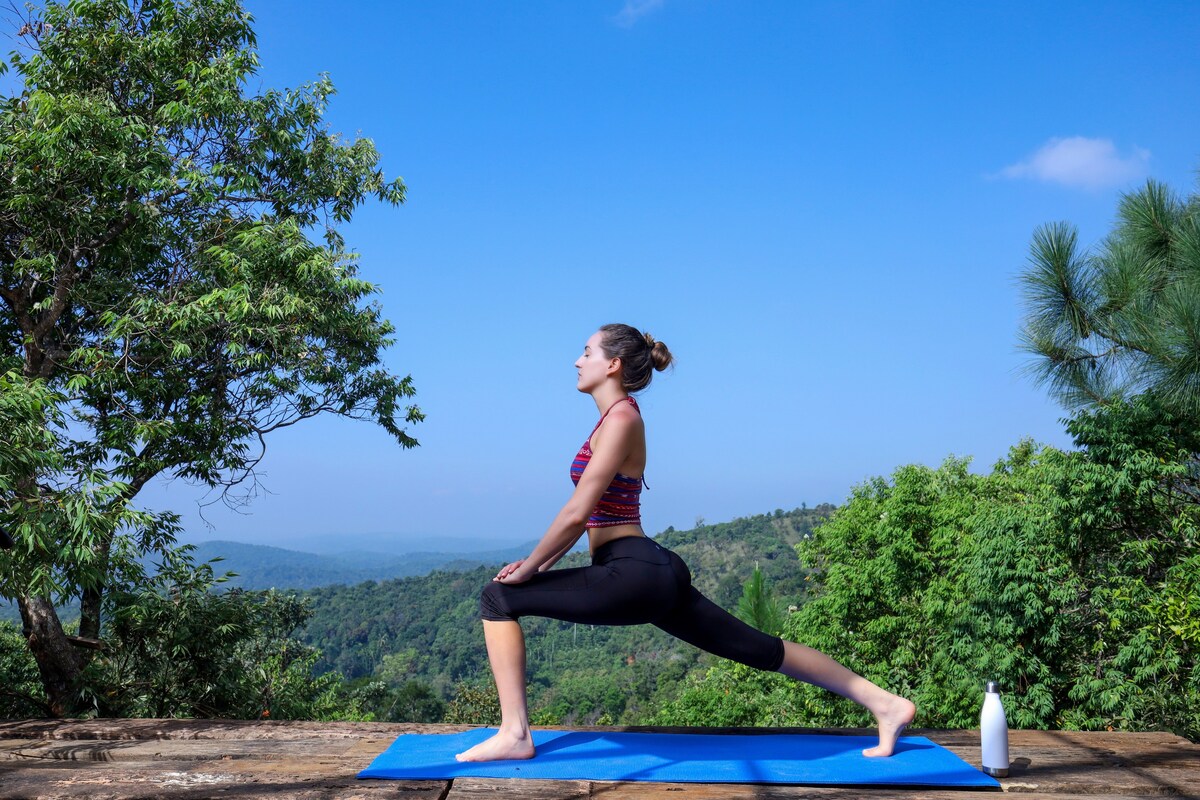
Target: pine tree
{"type": "Point", "coordinates": [1124, 319]}
{"type": "Point", "coordinates": [757, 607]}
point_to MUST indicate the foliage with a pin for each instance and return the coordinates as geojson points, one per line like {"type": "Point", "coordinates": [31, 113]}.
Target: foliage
{"type": "Point", "coordinates": [173, 288]}
{"type": "Point", "coordinates": [176, 648]}
{"type": "Point", "coordinates": [474, 703]}
{"type": "Point", "coordinates": [21, 694]}
{"type": "Point", "coordinates": [758, 608]}
{"type": "Point", "coordinates": [34, 424]}
{"type": "Point", "coordinates": [394, 696]}
{"type": "Point", "coordinates": [1125, 319]}
{"type": "Point", "coordinates": [1128, 509]}
{"type": "Point", "coordinates": [415, 701]}
{"type": "Point", "coordinates": [729, 694]}
{"type": "Point", "coordinates": [721, 556]}
{"type": "Point", "coordinates": [891, 593]}
{"type": "Point", "coordinates": [1069, 577]}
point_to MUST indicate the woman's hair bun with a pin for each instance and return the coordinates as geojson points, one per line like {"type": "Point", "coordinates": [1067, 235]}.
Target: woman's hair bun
{"type": "Point", "coordinates": [658, 353]}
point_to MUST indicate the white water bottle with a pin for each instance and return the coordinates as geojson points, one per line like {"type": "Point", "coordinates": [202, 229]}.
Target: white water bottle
{"type": "Point", "coordinates": [993, 731]}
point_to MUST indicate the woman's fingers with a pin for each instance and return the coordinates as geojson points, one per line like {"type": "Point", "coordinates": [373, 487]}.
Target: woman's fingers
{"type": "Point", "coordinates": [508, 569]}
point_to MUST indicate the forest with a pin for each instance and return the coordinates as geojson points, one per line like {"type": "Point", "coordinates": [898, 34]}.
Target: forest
{"type": "Point", "coordinates": [175, 288]}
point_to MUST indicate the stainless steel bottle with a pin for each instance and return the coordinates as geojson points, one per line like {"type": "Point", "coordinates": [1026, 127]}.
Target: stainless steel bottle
{"type": "Point", "coordinates": [993, 733]}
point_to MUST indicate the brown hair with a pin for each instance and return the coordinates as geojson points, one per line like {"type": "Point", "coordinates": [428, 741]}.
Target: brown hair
{"type": "Point", "coordinates": [639, 354]}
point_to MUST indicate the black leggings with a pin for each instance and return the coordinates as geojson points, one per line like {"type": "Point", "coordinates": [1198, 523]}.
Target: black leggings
{"type": "Point", "coordinates": [634, 580]}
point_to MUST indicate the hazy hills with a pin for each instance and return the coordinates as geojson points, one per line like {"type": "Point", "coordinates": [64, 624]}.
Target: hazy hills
{"type": "Point", "coordinates": [710, 552]}
{"type": "Point", "coordinates": [259, 566]}
{"type": "Point", "coordinates": [265, 567]}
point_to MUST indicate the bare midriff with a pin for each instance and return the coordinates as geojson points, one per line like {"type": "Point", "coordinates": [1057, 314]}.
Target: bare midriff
{"type": "Point", "coordinates": [598, 537]}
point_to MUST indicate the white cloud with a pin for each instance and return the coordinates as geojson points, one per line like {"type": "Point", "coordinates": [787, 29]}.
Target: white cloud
{"type": "Point", "coordinates": [633, 10]}
{"type": "Point", "coordinates": [1080, 162]}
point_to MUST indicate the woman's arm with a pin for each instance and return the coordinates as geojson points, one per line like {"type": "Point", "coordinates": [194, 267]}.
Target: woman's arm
{"type": "Point", "coordinates": [621, 432]}
{"type": "Point", "coordinates": [509, 569]}
{"type": "Point", "coordinates": [554, 558]}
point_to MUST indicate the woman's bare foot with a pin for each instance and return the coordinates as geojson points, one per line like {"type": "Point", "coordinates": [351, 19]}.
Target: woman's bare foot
{"type": "Point", "coordinates": [892, 720]}
{"type": "Point", "coordinates": [503, 746]}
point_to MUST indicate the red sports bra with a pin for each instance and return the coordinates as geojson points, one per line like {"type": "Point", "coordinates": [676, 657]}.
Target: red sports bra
{"type": "Point", "coordinates": [621, 502]}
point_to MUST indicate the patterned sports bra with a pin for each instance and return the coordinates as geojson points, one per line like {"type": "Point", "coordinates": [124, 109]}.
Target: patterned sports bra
{"type": "Point", "coordinates": [621, 503]}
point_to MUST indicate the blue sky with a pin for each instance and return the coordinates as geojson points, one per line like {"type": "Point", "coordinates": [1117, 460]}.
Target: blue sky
{"type": "Point", "coordinates": [821, 208]}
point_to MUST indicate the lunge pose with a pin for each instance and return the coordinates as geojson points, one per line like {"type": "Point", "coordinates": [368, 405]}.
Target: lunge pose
{"type": "Point", "coordinates": [632, 579]}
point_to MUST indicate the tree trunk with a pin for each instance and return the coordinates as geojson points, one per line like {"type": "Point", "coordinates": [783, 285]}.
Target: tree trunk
{"type": "Point", "coordinates": [57, 661]}
{"type": "Point", "coordinates": [89, 613]}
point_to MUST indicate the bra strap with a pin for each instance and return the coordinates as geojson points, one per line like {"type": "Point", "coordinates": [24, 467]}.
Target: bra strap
{"type": "Point", "coordinates": [632, 402]}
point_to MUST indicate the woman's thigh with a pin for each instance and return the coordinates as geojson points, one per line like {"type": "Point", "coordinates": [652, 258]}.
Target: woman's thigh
{"type": "Point", "coordinates": [623, 591]}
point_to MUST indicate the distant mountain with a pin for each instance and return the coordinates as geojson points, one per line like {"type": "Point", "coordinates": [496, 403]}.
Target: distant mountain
{"type": "Point", "coordinates": [264, 567]}
{"type": "Point", "coordinates": [388, 544]}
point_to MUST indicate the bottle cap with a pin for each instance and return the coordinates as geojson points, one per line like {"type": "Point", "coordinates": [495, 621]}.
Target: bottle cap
{"type": "Point", "coordinates": [993, 687]}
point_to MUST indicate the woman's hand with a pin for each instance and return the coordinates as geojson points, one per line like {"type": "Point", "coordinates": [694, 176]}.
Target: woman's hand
{"type": "Point", "coordinates": [512, 573]}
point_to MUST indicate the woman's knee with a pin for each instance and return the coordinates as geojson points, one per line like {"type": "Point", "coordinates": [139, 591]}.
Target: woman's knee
{"type": "Point", "coordinates": [492, 603]}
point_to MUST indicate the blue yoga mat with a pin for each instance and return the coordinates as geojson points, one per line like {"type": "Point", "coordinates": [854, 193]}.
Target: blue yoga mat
{"type": "Point", "coordinates": [685, 758]}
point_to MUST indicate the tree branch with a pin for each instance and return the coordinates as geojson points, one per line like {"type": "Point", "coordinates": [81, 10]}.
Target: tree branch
{"type": "Point", "coordinates": [117, 228]}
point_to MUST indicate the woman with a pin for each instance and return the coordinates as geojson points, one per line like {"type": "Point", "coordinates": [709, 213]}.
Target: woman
{"type": "Point", "coordinates": [632, 579]}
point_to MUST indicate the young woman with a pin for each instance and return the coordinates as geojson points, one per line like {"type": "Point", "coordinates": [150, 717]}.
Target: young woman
{"type": "Point", "coordinates": [632, 579]}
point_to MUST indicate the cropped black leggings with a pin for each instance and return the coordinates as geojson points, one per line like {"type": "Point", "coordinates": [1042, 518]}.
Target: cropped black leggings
{"type": "Point", "coordinates": [634, 580]}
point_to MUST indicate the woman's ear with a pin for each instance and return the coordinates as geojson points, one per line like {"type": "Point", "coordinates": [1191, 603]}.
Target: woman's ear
{"type": "Point", "coordinates": [614, 366]}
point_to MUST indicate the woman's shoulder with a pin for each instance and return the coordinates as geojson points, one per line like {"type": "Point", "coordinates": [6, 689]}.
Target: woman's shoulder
{"type": "Point", "coordinates": [624, 415]}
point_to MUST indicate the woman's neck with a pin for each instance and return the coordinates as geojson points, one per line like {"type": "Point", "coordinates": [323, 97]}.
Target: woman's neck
{"type": "Point", "coordinates": [606, 396]}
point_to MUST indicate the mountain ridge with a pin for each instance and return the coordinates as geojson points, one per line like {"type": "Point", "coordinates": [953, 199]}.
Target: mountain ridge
{"type": "Point", "coordinates": [261, 566]}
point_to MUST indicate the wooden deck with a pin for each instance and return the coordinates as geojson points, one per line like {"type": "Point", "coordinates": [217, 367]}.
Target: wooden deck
{"type": "Point", "coordinates": [195, 759]}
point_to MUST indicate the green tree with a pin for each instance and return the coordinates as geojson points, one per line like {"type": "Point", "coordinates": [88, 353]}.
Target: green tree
{"type": "Point", "coordinates": [729, 694]}
{"type": "Point", "coordinates": [1069, 577]}
{"type": "Point", "coordinates": [758, 607]}
{"type": "Point", "coordinates": [174, 288]}
{"type": "Point", "coordinates": [888, 592]}
{"type": "Point", "coordinates": [175, 647]}
{"type": "Point", "coordinates": [1116, 334]}
{"type": "Point", "coordinates": [416, 701]}
{"type": "Point", "coordinates": [474, 703]}
{"type": "Point", "coordinates": [1123, 319]}
{"type": "Point", "coordinates": [400, 697]}
{"type": "Point", "coordinates": [21, 691]}
{"type": "Point", "coordinates": [1127, 508]}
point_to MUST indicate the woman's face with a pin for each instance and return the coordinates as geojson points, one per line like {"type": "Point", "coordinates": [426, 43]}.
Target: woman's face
{"type": "Point", "coordinates": [593, 365]}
